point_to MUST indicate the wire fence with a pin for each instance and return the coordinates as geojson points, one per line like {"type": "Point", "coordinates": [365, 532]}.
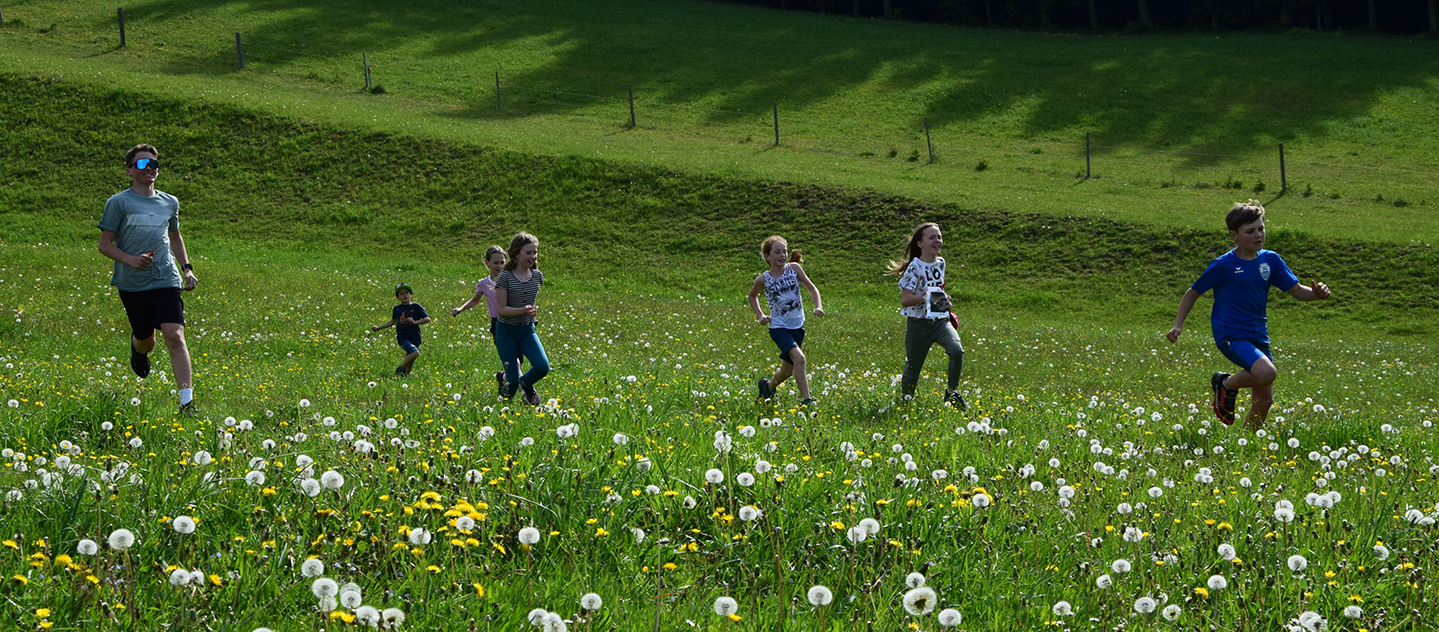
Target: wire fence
{"type": "Point", "coordinates": [863, 144]}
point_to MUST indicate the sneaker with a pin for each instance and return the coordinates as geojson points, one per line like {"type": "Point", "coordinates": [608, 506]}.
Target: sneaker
{"type": "Point", "coordinates": [531, 397]}
{"type": "Point", "coordinates": [808, 401]}
{"type": "Point", "coordinates": [953, 398]}
{"type": "Point", "coordinates": [499, 382]}
{"type": "Point", "coordinates": [400, 371]}
{"type": "Point", "coordinates": [190, 409]}
{"type": "Point", "coordinates": [765, 390]}
{"type": "Point", "coordinates": [1224, 398]}
{"type": "Point", "coordinates": [139, 362]}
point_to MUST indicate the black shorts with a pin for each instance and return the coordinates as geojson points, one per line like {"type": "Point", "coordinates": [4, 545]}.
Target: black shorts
{"type": "Point", "coordinates": [149, 308]}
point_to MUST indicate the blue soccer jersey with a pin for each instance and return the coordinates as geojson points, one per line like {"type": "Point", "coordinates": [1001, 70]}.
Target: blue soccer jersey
{"type": "Point", "coordinates": [1241, 293]}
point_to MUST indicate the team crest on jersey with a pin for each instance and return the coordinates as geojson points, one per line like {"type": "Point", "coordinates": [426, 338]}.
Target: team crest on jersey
{"type": "Point", "coordinates": [1264, 271]}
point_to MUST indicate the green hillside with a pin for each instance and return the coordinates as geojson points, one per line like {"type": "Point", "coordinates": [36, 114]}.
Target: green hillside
{"type": "Point", "coordinates": [262, 181]}
{"type": "Point", "coordinates": [1180, 123]}
{"type": "Point", "coordinates": [277, 183]}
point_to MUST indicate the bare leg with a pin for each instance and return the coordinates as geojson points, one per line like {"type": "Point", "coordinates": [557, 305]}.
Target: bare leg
{"type": "Point", "coordinates": [410, 361]}
{"type": "Point", "coordinates": [1259, 378]}
{"type": "Point", "coordinates": [801, 379]}
{"type": "Point", "coordinates": [174, 335]}
{"type": "Point", "coordinates": [1263, 398]}
{"type": "Point", "coordinates": [781, 374]}
{"type": "Point", "coordinates": [144, 346]}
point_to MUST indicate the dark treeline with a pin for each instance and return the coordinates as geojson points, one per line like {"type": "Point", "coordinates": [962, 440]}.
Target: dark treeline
{"type": "Point", "coordinates": [1387, 16]}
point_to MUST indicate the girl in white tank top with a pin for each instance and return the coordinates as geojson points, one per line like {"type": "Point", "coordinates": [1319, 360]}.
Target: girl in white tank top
{"type": "Point", "coordinates": [781, 286]}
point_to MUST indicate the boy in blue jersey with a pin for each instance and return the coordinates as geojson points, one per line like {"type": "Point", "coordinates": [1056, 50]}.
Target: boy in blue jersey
{"type": "Point", "coordinates": [1240, 279]}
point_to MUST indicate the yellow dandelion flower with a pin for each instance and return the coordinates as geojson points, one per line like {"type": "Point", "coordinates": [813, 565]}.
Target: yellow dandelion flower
{"type": "Point", "coordinates": [479, 589]}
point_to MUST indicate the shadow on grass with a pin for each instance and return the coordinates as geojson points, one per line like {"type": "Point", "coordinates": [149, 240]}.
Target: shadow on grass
{"type": "Point", "coordinates": [1204, 93]}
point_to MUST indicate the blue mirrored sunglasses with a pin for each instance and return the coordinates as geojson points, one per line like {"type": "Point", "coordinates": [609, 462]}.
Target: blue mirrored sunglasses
{"type": "Point", "coordinates": [146, 163]}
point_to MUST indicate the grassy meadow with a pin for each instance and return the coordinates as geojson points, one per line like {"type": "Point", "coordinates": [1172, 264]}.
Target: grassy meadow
{"type": "Point", "coordinates": [1088, 449]}
{"type": "Point", "coordinates": [1087, 486]}
{"type": "Point", "coordinates": [1180, 123]}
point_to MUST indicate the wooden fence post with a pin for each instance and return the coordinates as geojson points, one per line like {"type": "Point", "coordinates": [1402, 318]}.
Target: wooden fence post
{"type": "Point", "coordinates": [632, 107]}
{"type": "Point", "coordinates": [926, 140]}
{"type": "Point", "coordinates": [239, 51]}
{"type": "Point", "coordinates": [1087, 172]}
{"type": "Point", "coordinates": [120, 13]}
{"type": "Point", "coordinates": [498, 106]}
{"type": "Point", "coordinates": [776, 123]}
{"type": "Point", "coordinates": [1283, 177]}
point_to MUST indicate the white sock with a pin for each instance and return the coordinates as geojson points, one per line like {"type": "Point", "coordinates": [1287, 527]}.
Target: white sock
{"type": "Point", "coordinates": [186, 394]}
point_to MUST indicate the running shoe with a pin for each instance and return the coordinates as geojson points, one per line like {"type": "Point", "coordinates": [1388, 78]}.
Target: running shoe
{"type": "Point", "coordinates": [531, 397]}
{"type": "Point", "coordinates": [499, 382]}
{"type": "Point", "coordinates": [808, 401]}
{"type": "Point", "coordinates": [765, 390]}
{"type": "Point", "coordinates": [139, 362]}
{"type": "Point", "coordinates": [953, 398]}
{"type": "Point", "coordinates": [1224, 398]}
{"type": "Point", "coordinates": [189, 409]}
{"type": "Point", "coordinates": [400, 371]}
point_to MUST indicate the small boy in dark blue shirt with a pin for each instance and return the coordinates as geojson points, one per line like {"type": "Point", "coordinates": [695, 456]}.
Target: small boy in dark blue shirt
{"type": "Point", "coordinates": [407, 318]}
{"type": "Point", "coordinates": [1241, 279]}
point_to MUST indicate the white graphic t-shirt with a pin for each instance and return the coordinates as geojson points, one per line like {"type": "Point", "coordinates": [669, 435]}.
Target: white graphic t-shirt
{"type": "Point", "coordinates": [918, 278]}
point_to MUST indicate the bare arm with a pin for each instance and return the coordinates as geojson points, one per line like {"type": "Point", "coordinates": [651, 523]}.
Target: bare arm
{"type": "Point", "coordinates": [177, 247]}
{"type": "Point", "coordinates": [388, 323]}
{"type": "Point", "coordinates": [1315, 291]}
{"type": "Point", "coordinates": [109, 249]}
{"type": "Point", "coordinates": [754, 291]}
{"type": "Point", "coordinates": [502, 297]}
{"type": "Point", "coordinates": [910, 299]}
{"type": "Point", "coordinates": [813, 291]}
{"type": "Point", "coordinates": [1185, 304]}
{"type": "Point", "coordinates": [478, 298]}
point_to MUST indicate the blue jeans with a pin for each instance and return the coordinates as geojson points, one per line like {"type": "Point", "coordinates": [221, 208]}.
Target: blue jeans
{"type": "Point", "coordinates": [513, 340]}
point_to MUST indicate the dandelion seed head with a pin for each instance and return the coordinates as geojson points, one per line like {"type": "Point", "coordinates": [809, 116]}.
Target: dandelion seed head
{"type": "Point", "coordinates": [949, 618]}
{"type": "Point", "coordinates": [324, 587]}
{"type": "Point", "coordinates": [819, 596]}
{"type": "Point", "coordinates": [121, 539]}
{"type": "Point", "coordinates": [1297, 563]}
{"type": "Point", "coordinates": [920, 601]}
{"type": "Point", "coordinates": [312, 567]}
{"type": "Point", "coordinates": [591, 602]}
{"type": "Point", "coordinates": [725, 606]}
{"type": "Point", "coordinates": [529, 536]}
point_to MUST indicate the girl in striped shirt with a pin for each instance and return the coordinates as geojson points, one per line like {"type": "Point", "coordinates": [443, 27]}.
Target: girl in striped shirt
{"type": "Point", "coordinates": [515, 292]}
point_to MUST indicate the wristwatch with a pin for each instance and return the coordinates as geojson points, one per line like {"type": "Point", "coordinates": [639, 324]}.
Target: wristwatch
{"type": "Point", "coordinates": [188, 266]}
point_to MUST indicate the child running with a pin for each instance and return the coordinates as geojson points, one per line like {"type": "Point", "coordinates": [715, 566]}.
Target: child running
{"type": "Point", "coordinates": [1240, 279]}
{"type": "Point", "coordinates": [515, 292]}
{"type": "Point", "coordinates": [406, 318]}
{"type": "Point", "coordinates": [781, 283]}
{"type": "Point", "coordinates": [485, 291]}
{"type": "Point", "coordinates": [926, 306]}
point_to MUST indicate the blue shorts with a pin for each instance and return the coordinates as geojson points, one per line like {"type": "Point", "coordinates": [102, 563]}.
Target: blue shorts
{"type": "Point", "coordinates": [786, 339]}
{"type": "Point", "coordinates": [1245, 351]}
{"type": "Point", "coordinates": [410, 346]}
